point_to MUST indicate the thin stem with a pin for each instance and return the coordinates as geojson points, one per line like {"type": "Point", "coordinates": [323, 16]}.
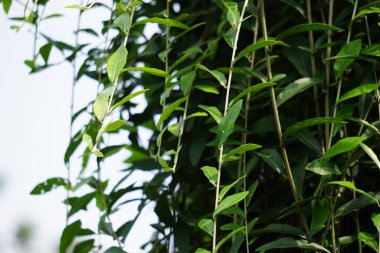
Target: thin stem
{"type": "Point", "coordinates": [377, 93]}
{"type": "Point", "coordinates": [327, 70]}
{"type": "Point", "coordinates": [226, 101]}
{"type": "Point", "coordinates": [277, 120]}
{"type": "Point", "coordinates": [244, 135]}
{"type": "Point", "coordinates": [167, 46]}
{"type": "Point", "coordinates": [332, 218]}
{"type": "Point", "coordinates": [341, 79]}
{"type": "Point", "coordinates": [104, 202]}
{"type": "Point", "coordinates": [312, 62]}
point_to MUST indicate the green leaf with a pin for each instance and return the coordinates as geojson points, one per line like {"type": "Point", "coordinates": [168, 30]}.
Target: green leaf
{"type": "Point", "coordinates": [45, 51]}
{"type": "Point", "coordinates": [288, 242]}
{"type": "Point", "coordinates": [213, 111]}
{"type": "Point", "coordinates": [227, 124]}
{"type": "Point", "coordinates": [98, 153]}
{"type": "Point", "coordinates": [253, 90]}
{"type": "Point", "coordinates": [127, 98]}
{"type": "Point", "coordinates": [227, 237]}
{"type": "Point", "coordinates": [295, 88]}
{"type": "Point", "coordinates": [371, 154]}
{"type": "Point", "coordinates": [352, 187]}
{"type": "Point", "coordinates": [240, 150]}
{"type": "Point", "coordinates": [100, 106]}
{"type": "Point", "coordinates": [230, 201]}
{"type": "Point", "coordinates": [187, 81]}
{"type": "Point", "coordinates": [123, 22]}
{"type": "Point", "coordinates": [207, 88]}
{"type": "Point", "coordinates": [320, 215]}
{"type": "Point", "coordinates": [69, 233]}
{"type": "Point", "coordinates": [226, 188]}
{"type": "Point", "coordinates": [376, 221]}
{"type": "Point", "coordinates": [351, 49]}
{"type": "Point", "coordinates": [273, 159]}
{"type": "Point", "coordinates": [211, 173]}
{"type": "Point", "coordinates": [323, 167]}
{"type": "Point", "coordinates": [114, 125]}
{"type": "Point", "coordinates": [306, 28]}
{"type": "Point", "coordinates": [88, 141]}
{"type": "Point", "coordinates": [360, 90]}
{"type": "Point", "coordinates": [373, 50]}
{"type": "Point", "coordinates": [218, 75]}
{"type": "Point", "coordinates": [258, 45]}
{"type": "Point", "coordinates": [116, 63]}
{"type": "Point", "coordinates": [233, 14]}
{"type": "Point", "coordinates": [280, 229]}
{"type": "Point", "coordinates": [229, 36]}
{"type": "Point", "coordinates": [206, 225]}
{"type": "Point", "coordinates": [310, 122]}
{"type": "Point", "coordinates": [114, 250]}
{"type": "Point", "coordinates": [48, 185]}
{"type": "Point", "coordinates": [7, 5]}
{"type": "Point", "coordinates": [343, 145]}
{"type": "Point", "coordinates": [169, 110]}
{"type": "Point", "coordinates": [152, 71]}
{"type": "Point", "coordinates": [200, 250]}
{"type": "Point", "coordinates": [163, 21]}
{"type": "Point", "coordinates": [368, 239]}
{"type": "Point", "coordinates": [85, 246]}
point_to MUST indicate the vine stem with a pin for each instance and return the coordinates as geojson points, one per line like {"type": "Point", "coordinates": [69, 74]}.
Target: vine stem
{"type": "Point", "coordinates": [327, 70]}
{"type": "Point", "coordinates": [226, 101]}
{"type": "Point", "coordinates": [167, 46]}
{"type": "Point", "coordinates": [312, 62]}
{"type": "Point", "coordinates": [72, 99]}
{"type": "Point", "coordinates": [245, 135]}
{"type": "Point", "coordinates": [278, 123]}
{"type": "Point", "coordinates": [341, 79]}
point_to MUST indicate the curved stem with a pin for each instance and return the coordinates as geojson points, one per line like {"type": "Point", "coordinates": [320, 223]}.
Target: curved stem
{"type": "Point", "coordinates": [341, 79]}
{"type": "Point", "coordinates": [278, 123]}
{"type": "Point", "coordinates": [328, 69]}
{"type": "Point", "coordinates": [226, 107]}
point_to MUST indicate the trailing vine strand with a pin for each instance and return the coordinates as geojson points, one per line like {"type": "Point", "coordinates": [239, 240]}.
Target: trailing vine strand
{"type": "Point", "coordinates": [226, 107]}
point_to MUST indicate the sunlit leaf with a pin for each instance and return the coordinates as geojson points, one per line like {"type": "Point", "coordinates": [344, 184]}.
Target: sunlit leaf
{"type": "Point", "coordinates": [116, 63]}
{"type": "Point", "coordinates": [230, 201]}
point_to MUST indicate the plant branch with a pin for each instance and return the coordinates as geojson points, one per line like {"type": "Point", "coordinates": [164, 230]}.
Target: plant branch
{"type": "Point", "coordinates": [226, 102]}
{"type": "Point", "coordinates": [277, 121]}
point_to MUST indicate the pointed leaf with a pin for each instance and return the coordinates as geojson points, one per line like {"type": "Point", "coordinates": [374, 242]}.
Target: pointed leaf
{"type": "Point", "coordinates": [344, 145]}
{"type": "Point", "coordinates": [187, 82]}
{"type": "Point", "coordinates": [227, 124]}
{"type": "Point", "coordinates": [213, 111]}
{"type": "Point", "coordinates": [320, 215]}
{"type": "Point", "coordinates": [295, 88]}
{"type": "Point", "coordinates": [88, 141]}
{"type": "Point", "coordinates": [127, 98]}
{"type": "Point", "coordinates": [100, 106]}
{"type": "Point", "coordinates": [371, 154]}
{"type": "Point", "coordinates": [114, 125]}
{"type": "Point", "coordinates": [233, 14]}
{"type": "Point", "coordinates": [211, 173]}
{"type": "Point", "coordinates": [206, 225]}
{"type": "Point", "coordinates": [368, 239]}
{"type": "Point", "coordinates": [230, 201]}
{"type": "Point", "coordinates": [257, 46]}
{"type": "Point", "coordinates": [123, 22]}
{"type": "Point", "coordinates": [226, 188]}
{"type": "Point", "coordinates": [323, 167]}
{"type": "Point", "coordinates": [240, 150]}
{"type": "Point", "coordinates": [253, 90]}
{"type": "Point", "coordinates": [362, 89]}
{"type": "Point", "coordinates": [351, 49]}
{"type": "Point", "coordinates": [352, 187]}
{"type": "Point", "coordinates": [288, 242]}
{"type": "Point", "coordinates": [168, 111]}
{"type": "Point", "coordinates": [48, 185]}
{"type": "Point", "coordinates": [310, 122]}
{"type": "Point", "coordinates": [305, 28]}
{"type": "Point", "coordinates": [218, 75]}
{"type": "Point", "coordinates": [152, 71]}
{"type": "Point", "coordinates": [227, 237]}
{"type": "Point", "coordinates": [163, 21]}
{"type": "Point", "coordinates": [116, 63]}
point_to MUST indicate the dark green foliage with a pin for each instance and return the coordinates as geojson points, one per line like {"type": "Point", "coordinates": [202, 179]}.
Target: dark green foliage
{"type": "Point", "coordinates": [218, 123]}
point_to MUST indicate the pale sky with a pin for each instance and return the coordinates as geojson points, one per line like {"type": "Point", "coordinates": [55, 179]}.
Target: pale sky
{"type": "Point", "coordinates": [35, 131]}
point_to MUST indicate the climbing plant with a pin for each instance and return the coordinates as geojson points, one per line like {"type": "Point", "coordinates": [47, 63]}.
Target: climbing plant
{"type": "Point", "coordinates": [264, 119]}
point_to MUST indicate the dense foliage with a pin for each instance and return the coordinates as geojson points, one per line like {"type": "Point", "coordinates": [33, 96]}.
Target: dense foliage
{"type": "Point", "coordinates": [264, 118]}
